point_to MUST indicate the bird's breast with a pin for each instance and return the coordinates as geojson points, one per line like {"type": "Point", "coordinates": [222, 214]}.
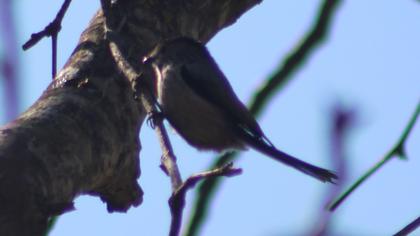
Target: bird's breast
{"type": "Point", "coordinates": [198, 121]}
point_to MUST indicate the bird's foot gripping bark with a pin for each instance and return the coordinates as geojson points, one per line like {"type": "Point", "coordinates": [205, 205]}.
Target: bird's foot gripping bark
{"type": "Point", "coordinates": [154, 118]}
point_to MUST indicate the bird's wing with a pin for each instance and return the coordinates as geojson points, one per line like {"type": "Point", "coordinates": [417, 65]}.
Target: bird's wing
{"type": "Point", "coordinates": [211, 84]}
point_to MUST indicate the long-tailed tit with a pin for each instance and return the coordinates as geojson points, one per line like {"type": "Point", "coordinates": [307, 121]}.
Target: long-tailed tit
{"type": "Point", "coordinates": [198, 101]}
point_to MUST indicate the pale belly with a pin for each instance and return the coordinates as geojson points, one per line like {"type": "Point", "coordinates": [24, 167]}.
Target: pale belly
{"type": "Point", "coordinates": [200, 123]}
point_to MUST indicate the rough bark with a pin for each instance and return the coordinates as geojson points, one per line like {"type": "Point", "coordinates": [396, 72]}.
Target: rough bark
{"type": "Point", "coordinates": [81, 136]}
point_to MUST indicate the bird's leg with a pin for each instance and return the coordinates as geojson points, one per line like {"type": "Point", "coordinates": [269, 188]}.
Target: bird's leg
{"type": "Point", "coordinates": [154, 118]}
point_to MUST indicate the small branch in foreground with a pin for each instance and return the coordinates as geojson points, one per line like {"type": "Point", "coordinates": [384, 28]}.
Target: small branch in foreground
{"type": "Point", "coordinates": [168, 159]}
{"type": "Point", "coordinates": [9, 63]}
{"type": "Point", "coordinates": [51, 30]}
{"type": "Point", "coordinates": [409, 228]}
{"type": "Point", "coordinates": [342, 123]}
{"type": "Point", "coordinates": [298, 55]}
{"type": "Point", "coordinates": [396, 151]}
{"type": "Point", "coordinates": [177, 200]}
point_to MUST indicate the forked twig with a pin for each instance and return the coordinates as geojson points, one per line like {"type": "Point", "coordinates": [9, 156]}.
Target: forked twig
{"type": "Point", "coordinates": [51, 30]}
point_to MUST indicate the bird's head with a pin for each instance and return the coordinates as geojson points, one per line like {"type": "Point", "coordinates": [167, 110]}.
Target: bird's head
{"type": "Point", "coordinates": [180, 50]}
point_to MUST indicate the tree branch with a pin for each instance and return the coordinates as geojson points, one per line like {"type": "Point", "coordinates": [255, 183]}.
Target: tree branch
{"type": "Point", "coordinates": [177, 200]}
{"type": "Point", "coordinates": [396, 151]}
{"type": "Point", "coordinates": [342, 122]}
{"type": "Point", "coordinates": [297, 57]}
{"type": "Point", "coordinates": [52, 30]}
{"type": "Point", "coordinates": [409, 228]}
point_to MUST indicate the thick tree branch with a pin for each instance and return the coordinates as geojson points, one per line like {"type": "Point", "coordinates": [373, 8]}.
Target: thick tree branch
{"type": "Point", "coordinates": [81, 136]}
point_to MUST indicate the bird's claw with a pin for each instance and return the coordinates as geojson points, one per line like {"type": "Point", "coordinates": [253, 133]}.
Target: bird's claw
{"type": "Point", "coordinates": [154, 118]}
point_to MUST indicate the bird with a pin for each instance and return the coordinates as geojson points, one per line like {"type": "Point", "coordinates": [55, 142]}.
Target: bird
{"type": "Point", "coordinates": [198, 101]}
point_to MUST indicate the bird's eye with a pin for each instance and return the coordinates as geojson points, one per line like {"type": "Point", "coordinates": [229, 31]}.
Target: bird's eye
{"type": "Point", "coordinates": [148, 60]}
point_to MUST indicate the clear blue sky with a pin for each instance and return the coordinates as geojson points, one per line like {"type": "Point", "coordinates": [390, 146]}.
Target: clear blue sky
{"type": "Point", "coordinates": [370, 62]}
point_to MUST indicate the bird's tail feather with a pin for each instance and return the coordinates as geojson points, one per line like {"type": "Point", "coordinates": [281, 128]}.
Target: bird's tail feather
{"type": "Point", "coordinates": [259, 144]}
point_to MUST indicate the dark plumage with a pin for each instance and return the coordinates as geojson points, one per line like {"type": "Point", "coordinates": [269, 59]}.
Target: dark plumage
{"type": "Point", "coordinates": [200, 104]}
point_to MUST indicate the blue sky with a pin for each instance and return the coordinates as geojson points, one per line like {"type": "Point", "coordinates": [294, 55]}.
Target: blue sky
{"type": "Point", "coordinates": [370, 62]}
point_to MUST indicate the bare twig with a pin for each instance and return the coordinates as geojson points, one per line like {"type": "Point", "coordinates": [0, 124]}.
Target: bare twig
{"type": "Point", "coordinates": [274, 83]}
{"type": "Point", "coordinates": [409, 228]}
{"type": "Point", "coordinates": [51, 30]}
{"type": "Point", "coordinates": [177, 200]}
{"type": "Point", "coordinates": [168, 157]}
{"type": "Point", "coordinates": [396, 151]}
{"type": "Point", "coordinates": [10, 63]}
{"type": "Point", "coordinates": [342, 122]}
{"type": "Point", "coordinates": [54, 55]}
{"type": "Point", "coordinates": [297, 57]}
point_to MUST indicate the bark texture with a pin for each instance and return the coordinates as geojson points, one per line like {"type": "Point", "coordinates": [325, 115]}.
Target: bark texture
{"type": "Point", "coordinates": [81, 136]}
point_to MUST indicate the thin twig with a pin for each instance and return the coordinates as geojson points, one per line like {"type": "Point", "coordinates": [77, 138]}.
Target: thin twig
{"type": "Point", "coordinates": [409, 228]}
{"type": "Point", "coordinates": [343, 121]}
{"type": "Point", "coordinates": [54, 55]}
{"type": "Point", "coordinates": [297, 57]}
{"type": "Point", "coordinates": [9, 63]}
{"type": "Point", "coordinates": [311, 40]}
{"type": "Point", "coordinates": [168, 157]}
{"type": "Point", "coordinates": [396, 151]}
{"type": "Point", "coordinates": [177, 200]}
{"type": "Point", "coordinates": [51, 30]}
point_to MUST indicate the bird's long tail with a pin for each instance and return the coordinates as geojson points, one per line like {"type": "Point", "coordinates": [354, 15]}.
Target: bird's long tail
{"type": "Point", "coordinates": [267, 148]}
